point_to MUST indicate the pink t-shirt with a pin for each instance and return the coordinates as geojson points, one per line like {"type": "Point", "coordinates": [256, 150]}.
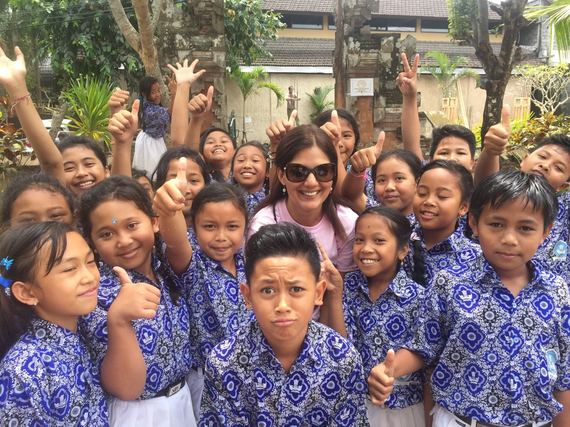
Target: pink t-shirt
{"type": "Point", "coordinates": [338, 250]}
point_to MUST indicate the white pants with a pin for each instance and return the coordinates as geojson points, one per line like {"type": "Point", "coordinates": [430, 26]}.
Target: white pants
{"type": "Point", "coordinates": [412, 416]}
{"type": "Point", "coordinates": [195, 381]}
{"type": "Point", "coordinates": [443, 418]}
{"type": "Point", "coordinates": [148, 151]}
{"type": "Point", "coordinates": [173, 411]}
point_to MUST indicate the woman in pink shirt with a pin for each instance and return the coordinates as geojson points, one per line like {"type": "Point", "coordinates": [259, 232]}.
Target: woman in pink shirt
{"type": "Point", "coordinates": [302, 193]}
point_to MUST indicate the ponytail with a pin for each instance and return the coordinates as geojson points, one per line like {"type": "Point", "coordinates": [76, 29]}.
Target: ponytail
{"type": "Point", "coordinates": [419, 272]}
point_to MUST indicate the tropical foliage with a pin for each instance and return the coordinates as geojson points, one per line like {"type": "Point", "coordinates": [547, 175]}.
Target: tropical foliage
{"type": "Point", "coordinates": [558, 14]}
{"type": "Point", "coordinates": [87, 97]}
{"type": "Point", "coordinates": [319, 100]}
{"type": "Point", "coordinates": [549, 85]}
{"type": "Point", "coordinates": [447, 71]}
{"type": "Point", "coordinates": [249, 83]}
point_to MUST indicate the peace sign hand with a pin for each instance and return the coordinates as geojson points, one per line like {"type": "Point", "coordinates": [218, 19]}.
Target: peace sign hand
{"type": "Point", "coordinates": [407, 79]}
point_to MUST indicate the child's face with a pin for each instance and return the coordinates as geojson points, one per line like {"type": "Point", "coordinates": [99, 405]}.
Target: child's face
{"type": "Point", "coordinates": [510, 235]}
{"type": "Point", "coordinates": [82, 169]}
{"type": "Point", "coordinates": [437, 203]}
{"type": "Point", "coordinates": [155, 94]}
{"type": "Point", "coordinates": [455, 149]}
{"type": "Point", "coordinates": [250, 168]}
{"type": "Point", "coordinates": [194, 178]}
{"type": "Point", "coordinates": [283, 292]}
{"type": "Point", "coordinates": [218, 148]}
{"type": "Point", "coordinates": [70, 289]}
{"type": "Point", "coordinates": [375, 248]}
{"type": "Point", "coordinates": [123, 235]}
{"type": "Point", "coordinates": [220, 229]}
{"type": "Point", "coordinates": [551, 162]}
{"type": "Point", "coordinates": [395, 185]}
{"type": "Point", "coordinates": [40, 205]}
{"type": "Point", "coordinates": [347, 140]}
{"type": "Point", "coordinates": [145, 182]}
{"type": "Point", "coordinates": [310, 194]}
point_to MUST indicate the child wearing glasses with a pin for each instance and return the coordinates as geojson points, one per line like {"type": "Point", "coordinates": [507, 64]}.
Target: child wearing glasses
{"type": "Point", "coordinates": [302, 193]}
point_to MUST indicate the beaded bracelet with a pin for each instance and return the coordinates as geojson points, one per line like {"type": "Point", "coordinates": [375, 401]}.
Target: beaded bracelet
{"type": "Point", "coordinates": [18, 100]}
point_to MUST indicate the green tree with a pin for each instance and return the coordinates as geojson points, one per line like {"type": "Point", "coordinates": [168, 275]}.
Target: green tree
{"type": "Point", "coordinates": [447, 72]}
{"type": "Point", "coordinates": [469, 24]}
{"type": "Point", "coordinates": [249, 83]}
{"type": "Point", "coordinates": [247, 27]}
{"type": "Point", "coordinates": [558, 14]}
{"type": "Point", "coordinates": [319, 100]}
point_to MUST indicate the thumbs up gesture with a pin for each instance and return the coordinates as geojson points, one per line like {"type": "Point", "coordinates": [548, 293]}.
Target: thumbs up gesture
{"type": "Point", "coordinates": [124, 124]}
{"type": "Point", "coordinates": [333, 128]}
{"type": "Point", "coordinates": [381, 379]}
{"type": "Point", "coordinates": [497, 137]}
{"type": "Point", "coordinates": [365, 158]}
{"type": "Point", "coordinates": [170, 198]}
{"type": "Point", "coordinates": [201, 104]}
{"type": "Point", "coordinates": [277, 130]}
{"type": "Point", "coordinates": [118, 100]}
{"type": "Point", "coordinates": [135, 300]}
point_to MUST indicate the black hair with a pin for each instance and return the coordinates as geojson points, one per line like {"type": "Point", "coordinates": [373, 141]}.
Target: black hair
{"type": "Point", "coordinates": [22, 246]}
{"type": "Point", "coordinates": [264, 153]}
{"type": "Point", "coordinates": [38, 181]}
{"type": "Point", "coordinates": [452, 130]}
{"type": "Point", "coordinates": [464, 177]}
{"type": "Point", "coordinates": [114, 188]}
{"type": "Point", "coordinates": [325, 116]}
{"type": "Point", "coordinates": [216, 175]}
{"type": "Point", "coordinates": [296, 140]}
{"type": "Point", "coordinates": [503, 187]}
{"type": "Point", "coordinates": [397, 223]}
{"type": "Point", "coordinates": [559, 140]}
{"type": "Point", "coordinates": [139, 173]}
{"type": "Point", "coordinates": [74, 141]}
{"type": "Point", "coordinates": [145, 85]}
{"type": "Point", "coordinates": [218, 192]}
{"type": "Point", "coordinates": [284, 239]}
{"type": "Point", "coordinates": [129, 190]}
{"type": "Point", "coordinates": [160, 173]}
{"type": "Point", "coordinates": [409, 158]}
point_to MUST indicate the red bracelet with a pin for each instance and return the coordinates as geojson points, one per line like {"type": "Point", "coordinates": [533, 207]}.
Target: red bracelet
{"type": "Point", "coordinates": [361, 175]}
{"type": "Point", "coordinates": [18, 100]}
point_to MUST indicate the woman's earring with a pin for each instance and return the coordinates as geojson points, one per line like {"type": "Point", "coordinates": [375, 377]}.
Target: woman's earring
{"type": "Point", "coordinates": [284, 190]}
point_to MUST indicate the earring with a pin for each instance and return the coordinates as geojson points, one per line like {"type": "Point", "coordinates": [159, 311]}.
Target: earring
{"type": "Point", "coordinates": [284, 190]}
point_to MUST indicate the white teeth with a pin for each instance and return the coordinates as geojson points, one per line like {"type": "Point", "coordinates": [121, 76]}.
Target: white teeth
{"type": "Point", "coordinates": [246, 174]}
{"type": "Point", "coordinates": [85, 184]}
{"type": "Point", "coordinates": [310, 193]}
{"type": "Point", "coordinates": [368, 261]}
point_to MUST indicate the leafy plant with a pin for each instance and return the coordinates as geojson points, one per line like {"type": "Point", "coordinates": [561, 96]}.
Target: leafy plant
{"type": "Point", "coordinates": [446, 71]}
{"type": "Point", "coordinates": [319, 100]}
{"type": "Point", "coordinates": [549, 85]}
{"type": "Point", "coordinates": [87, 97]}
{"type": "Point", "coordinates": [249, 83]}
{"type": "Point", "coordinates": [558, 14]}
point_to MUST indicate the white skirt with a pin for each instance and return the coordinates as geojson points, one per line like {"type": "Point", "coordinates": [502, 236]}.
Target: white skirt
{"type": "Point", "coordinates": [195, 381]}
{"type": "Point", "coordinates": [173, 411]}
{"type": "Point", "coordinates": [443, 418]}
{"type": "Point", "coordinates": [148, 151]}
{"type": "Point", "coordinates": [412, 416]}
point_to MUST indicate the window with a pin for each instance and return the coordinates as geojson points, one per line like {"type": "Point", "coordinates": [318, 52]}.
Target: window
{"type": "Point", "coordinates": [434, 26]}
{"type": "Point", "coordinates": [393, 24]}
{"type": "Point", "coordinates": [310, 22]}
{"type": "Point", "coordinates": [332, 22]}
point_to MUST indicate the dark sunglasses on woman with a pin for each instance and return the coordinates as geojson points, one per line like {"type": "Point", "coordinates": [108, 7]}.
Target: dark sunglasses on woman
{"type": "Point", "coordinates": [299, 173]}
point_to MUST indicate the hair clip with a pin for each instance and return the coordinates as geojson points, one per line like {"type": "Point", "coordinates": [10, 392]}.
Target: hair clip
{"type": "Point", "coordinates": [7, 263]}
{"type": "Point", "coordinates": [6, 283]}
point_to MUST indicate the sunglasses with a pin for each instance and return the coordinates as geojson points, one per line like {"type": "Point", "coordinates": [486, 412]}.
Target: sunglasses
{"type": "Point", "coordinates": [299, 173]}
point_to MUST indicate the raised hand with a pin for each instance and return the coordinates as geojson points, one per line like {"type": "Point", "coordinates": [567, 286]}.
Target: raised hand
{"type": "Point", "coordinates": [407, 79]}
{"type": "Point", "coordinates": [329, 273]}
{"type": "Point", "coordinates": [118, 100]}
{"type": "Point", "coordinates": [365, 158]}
{"type": "Point", "coordinates": [497, 137]}
{"type": "Point", "coordinates": [201, 104]}
{"type": "Point", "coordinates": [124, 124]}
{"type": "Point", "coordinates": [135, 300]}
{"type": "Point", "coordinates": [169, 199]}
{"type": "Point", "coordinates": [333, 128]}
{"type": "Point", "coordinates": [184, 73]}
{"type": "Point", "coordinates": [13, 73]}
{"type": "Point", "coordinates": [279, 128]}
{"type": "Point", "coordinates": [381, 380]}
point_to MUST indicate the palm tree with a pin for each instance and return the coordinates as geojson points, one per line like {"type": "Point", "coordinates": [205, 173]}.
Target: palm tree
{"type": "Point", "coordinates": [319, 100]}
{"type": "Point", "coordinates": [249, 82]}
{"type": "Point", "coordinates": [445, 72]}
{"type": "Point", "coordinates": [558, 13]}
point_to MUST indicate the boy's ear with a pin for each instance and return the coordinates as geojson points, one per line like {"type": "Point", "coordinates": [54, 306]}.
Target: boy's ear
{"type": "Point", "coordinates": [320, 291]}
{"type": "Point", "coordinates": [402, 252]}
{"type": "Point", "coordinates": [463, 208]}
{"type": "Point", "coordinates": [24, 292]}
{"type": "Point", "coordinates": [473, 225]}
{"type": "Point", "coordinates": [244, 288]}
{"type": "Point", "coordinates": [547, 232]}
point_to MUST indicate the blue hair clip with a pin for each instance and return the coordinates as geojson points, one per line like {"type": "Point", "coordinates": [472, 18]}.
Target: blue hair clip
{"type": "Point", "coordinates": [6, 262]}
{"type": "Point", "coordinates": [6, 283]}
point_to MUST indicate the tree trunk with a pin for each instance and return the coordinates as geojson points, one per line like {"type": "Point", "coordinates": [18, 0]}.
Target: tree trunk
{"type": "Point", "coordinates": [339, 69]}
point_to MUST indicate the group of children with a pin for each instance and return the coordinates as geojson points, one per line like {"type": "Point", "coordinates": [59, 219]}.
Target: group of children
{"type": "Point", "coordinates": [129, 299]}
